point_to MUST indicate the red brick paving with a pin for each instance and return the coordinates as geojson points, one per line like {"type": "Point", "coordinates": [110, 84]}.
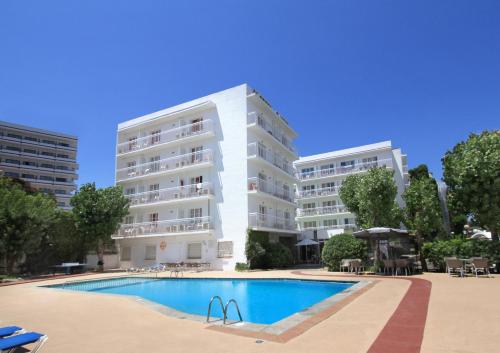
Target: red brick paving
{"type": "Point", "coordinates": [404, 331]}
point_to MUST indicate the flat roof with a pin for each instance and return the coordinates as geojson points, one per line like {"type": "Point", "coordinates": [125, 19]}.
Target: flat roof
{"type": "Point", "coordinates": [345, 152]}
{"type": "Point", "coordinates": [36, 130]}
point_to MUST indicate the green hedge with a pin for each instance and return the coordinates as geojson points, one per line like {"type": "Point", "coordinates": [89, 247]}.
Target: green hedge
{"type": "Point", "coordinates": [342, 246]}
{"type": "Point", "coordinates": [261, 254]}
{"type": "Point", "coordinates": [461, 248]}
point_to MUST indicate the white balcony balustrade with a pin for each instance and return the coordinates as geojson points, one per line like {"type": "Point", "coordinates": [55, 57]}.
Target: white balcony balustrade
{"type": "Point", "coordinates": [320, 211]}
{"type": "Point", "coordinates": [164, 165]}
{"type": "Point", "coordinates": [261, 220]}
{"type": "Point", "coordinates": [267, 154]}
{"type": "Point", "coordinates": [258, 119]}
{"type": "Point", "coordinates": [277, 190]}
{"type": "Point", "coordinates": [353, 168]}
{"type": "Point", "coordinates": [163, 137]}
{"type": "Point", "coordinates": [303, 194]}
{"type": "Point", "coordinates": [171, 194]}
{"type": "Point", "coordinates": [333, 226]}
{"type": "Point", "coordinates": [184, 225]}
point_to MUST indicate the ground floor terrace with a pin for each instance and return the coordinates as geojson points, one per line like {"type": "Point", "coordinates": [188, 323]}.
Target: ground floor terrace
{"type": "Point", "coordinates": [423, 313]}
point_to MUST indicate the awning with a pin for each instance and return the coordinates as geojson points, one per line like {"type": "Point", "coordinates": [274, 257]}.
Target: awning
{"type": "Point", "coordinates": [306, 242]}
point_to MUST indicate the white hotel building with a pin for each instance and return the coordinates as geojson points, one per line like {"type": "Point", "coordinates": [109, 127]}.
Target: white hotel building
{"type": "Point", "coordinates": [320, 212]}
{"type": "Point", "coordinates": [202, 172]}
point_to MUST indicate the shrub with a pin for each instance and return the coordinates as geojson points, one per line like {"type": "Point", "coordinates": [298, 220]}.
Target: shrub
{"type": "Point", "coordinates": [342, 246]}
{"type": "Point", "coordinates": [241, 266]}
{"type": "Point", "coordinates": [278, 256]}
{"type": "Point", "coordinates": [460, 247]}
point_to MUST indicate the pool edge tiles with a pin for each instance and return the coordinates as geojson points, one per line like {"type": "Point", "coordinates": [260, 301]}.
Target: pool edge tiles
{"type": "Point", "coordinates": [279, 331]}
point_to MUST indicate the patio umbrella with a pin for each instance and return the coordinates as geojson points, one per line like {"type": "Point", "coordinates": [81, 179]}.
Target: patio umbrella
{"type": "Point", "coordinates": [374, 235]}
{"type": "Point", "coordinates": [306, 242]}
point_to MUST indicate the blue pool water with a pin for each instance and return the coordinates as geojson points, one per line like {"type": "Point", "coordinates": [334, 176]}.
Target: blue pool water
{"type": "Point", "coordinates": [260, 301]}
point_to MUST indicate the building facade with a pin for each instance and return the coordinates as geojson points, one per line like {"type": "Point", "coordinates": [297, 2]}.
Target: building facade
{"type": "Point", "coordinates": [320, 212]}
{"type": "Point", "coordinates": [199, 174]}
{"type": "Point", "coordinates": [44, 159]}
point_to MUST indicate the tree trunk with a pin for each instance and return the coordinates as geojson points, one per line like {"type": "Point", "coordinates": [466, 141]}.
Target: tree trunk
{"type": "Point", "coordinates": [494, 234]}
{"type": "Point", "coordinates": [100, 256]}
{"type": "Point", "coordinates": [419, 250]}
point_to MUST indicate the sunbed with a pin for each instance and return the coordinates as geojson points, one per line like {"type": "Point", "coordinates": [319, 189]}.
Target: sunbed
{"type": "Point", "coordinates": [9, 344]}
{"type": "Point", "coordinates": [10, 330]}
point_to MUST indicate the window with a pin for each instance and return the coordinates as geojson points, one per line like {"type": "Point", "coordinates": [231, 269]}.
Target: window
{"type": "Point", "coordinates": [308, 190]}
{"type": "Point", "coordinates": [64, 144]}
{"type": "Point", "coordinates": [62, 180]}
{"type": "Point", "coordinates": [369, 162]}
{"type": "Point", "coordinates": [150, 252]}
{"type": "Point", "coordinates": [15, 136]}
{"type": "Point", "coordinates": [327, 169]}
{"type": "Point", "coordinates": [45, 165]}
{"type": "Point", "coordinates": [154, 194]}
{"type": "Point", "coordinates": [62, 156]}
{"type": "Point", "coordinates": [61, 204]}
{"type": "Point", "coordinates": [196, 155]}
{"type": "Point", "coordinates": [347, 165]}
{"type": "Point", "coordinates": [155, 136]}
{"type": "Point", "coordinates": [309, 224]}
{"type": "Point", "coordinates": [12, 174]}
{"type": "Point", "coordinates": [262, 150]}
{"type": "Point", "coordinates": [195, 213]}
{"type": "Point", "coordinates": [307, 172]}
{"type": "Point", "coordinates": [13, 148]}
{"type": "Point", "coordinates": [12, 161]}
{"type": "Point", "coordinates": [129, 191]}
{"type": "Point", "coordinates": [194, 251]}
{"type": "Point", "coordinates": [62, 167]}
{"type": "Point", "coordinates": [329, 222]}
{"type": "Point", "coordinates": [155, 164]}
{"type": "Point", "coordinates": [308, 205]}
{"type": "Point", "coordinates": [46, 178]}
{"type": "Point", "coordinates": [28, 150]}
{"type": "Point", "coordinates": [328, 185]}
{"type": "Point", "coordinates": [29, 138]}
{"type": "Point", "coordinates": [125, 253]}
{"type": "Point", "coordinates": [129, 220]}
{"type": "Point", "coordinates": [225, 249]}
{"type": "Point", "coordinates": [329, 203]}
{"type": "Point", "coordinates": [49, 154]}
{"type": "Point", "coordinates": [153, 217]}
{"type": "Point", "coordinates": [29, 176]}
{"type": "Point", "coordinates": [346, 221]}
{"type": "Point", "coordinates": [132, 143]}
{"type": "Point", "coordinates": [48, 142]}
{"type": "Point", "coordinates": [197, 125]}
{"type": "Point", "coordinates": [60, 192]}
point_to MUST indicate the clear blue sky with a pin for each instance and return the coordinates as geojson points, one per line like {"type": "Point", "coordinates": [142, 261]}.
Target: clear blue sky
{"type": "Point", "coordinates": [423, 74]}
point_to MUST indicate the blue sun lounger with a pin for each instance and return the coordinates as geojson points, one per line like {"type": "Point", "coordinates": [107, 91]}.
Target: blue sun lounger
{"type": "Point", "coordinates": [9, 344]}
{"type": "Point", "coordinates": [10, 330]}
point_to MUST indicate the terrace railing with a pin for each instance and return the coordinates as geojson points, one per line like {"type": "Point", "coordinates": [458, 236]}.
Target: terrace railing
{"type": "Point", "coordinates": [178, 133]}
{"type": "Point", "coordinates": [329, 191]}
{"type": "Point", "coordinates": [267, 154]}
{"type": "Point", "coordinates": [270, 221]}
{"type": "Point", "coordinates": [170, 194]}
{"type": "Point", "coordinates": [319, 211]}
{"type": "Point", "coordinates": [164, 165]}
{"type": "Point", "coordinates": [183, 225]}
{"type": "Point", "coordinates": [348, 169]}
{"type": "Point", "coordinates": [257, 184]}
{"type": "Point", "coordinates": [259, 120]}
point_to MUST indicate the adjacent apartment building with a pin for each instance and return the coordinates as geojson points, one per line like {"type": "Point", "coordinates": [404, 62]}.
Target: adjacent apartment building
{"type": "Point", "coordinates": [201, 173]}
{"type": "Point", "coordinates": [45, 159]}
{"type": "Point", "coordinates": [320, 212]}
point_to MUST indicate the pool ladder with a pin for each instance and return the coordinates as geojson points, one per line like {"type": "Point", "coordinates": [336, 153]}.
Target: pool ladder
{"type": "Point", "coordinates": [223, 308]}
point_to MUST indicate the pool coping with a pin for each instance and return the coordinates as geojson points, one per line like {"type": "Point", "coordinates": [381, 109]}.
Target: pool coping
{"type": "Point", "coordinates": [281, 331]}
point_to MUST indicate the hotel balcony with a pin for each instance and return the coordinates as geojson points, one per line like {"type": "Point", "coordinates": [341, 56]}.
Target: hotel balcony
{"type": "Point", "coordinates": [335, 226]}
{"type": "Point", "coordinates": [321, 192]}
{"type": "Point", "coordinates": [261, 152]}
{"type": "Point", "coordinates": [267, 222]}
{"type": "Point", "coordinates": [321, 211]}
{"type": "Point", "coordinates": [256, 185]}
{"type": "Point", "coordinates": [198, 225]}
{"type": "Point", "coordinates": [257, 120]}
{"type": "Point", "coordinates": [171, 195]}
{"type": "Point", "coordinates": [191, 131]}
{"type": "Point", "coordinates": [37, 142]}
{"type": "Point", "coordinates": [166, 166]}
{"type": "Point", "coordinates": [350, 169]}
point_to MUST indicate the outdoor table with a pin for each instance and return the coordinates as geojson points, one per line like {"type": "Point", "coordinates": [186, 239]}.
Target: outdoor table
{"type": "Point", "coordinates": [466, 262]}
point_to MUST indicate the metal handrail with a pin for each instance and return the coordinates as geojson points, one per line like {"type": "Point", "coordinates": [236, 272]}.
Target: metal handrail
{"type": "Point", "coordinates": [210, 307]}
{"type": "Point", "coordinates": [237, 309]}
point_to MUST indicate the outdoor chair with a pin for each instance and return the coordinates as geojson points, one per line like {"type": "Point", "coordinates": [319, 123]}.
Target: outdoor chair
{"type": "Point", "coordinates": [355, 266]}
{"type": "Point", "coordinates": [430, 265]}
{"type": "Point", "coordinates": [402, 264]}
{"type": "Point", "coordinates": [480, 265]}
{"type": "Point", "coordinates": [344, 264]}
{"type": "Point", "coordinates": [10, 330]}
{"type": "Point", "coordinates": [454, 265]}
{"type": "Point", "coordinates": [389, 264]}
{"type": "Point", "coordinates": [10, 344]}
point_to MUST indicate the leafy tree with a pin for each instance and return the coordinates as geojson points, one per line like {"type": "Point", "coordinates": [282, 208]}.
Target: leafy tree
{"type": "Point", "coordinates": [419, 172]}
{"type": "Point", "coordinates": [254, 251]}
{"type": "Point", "coordinates": [342, 246]}
{"type": "Point", "coordinates": [98, 214]}
{"type": "Point", "coordinates": [278, 256]}
{"type": "Point", "coordinates": [25, 220]}
{"type": "Point", "coordinates": [371, 196]}
{"type": "Point", "coordinates": [472, 173]}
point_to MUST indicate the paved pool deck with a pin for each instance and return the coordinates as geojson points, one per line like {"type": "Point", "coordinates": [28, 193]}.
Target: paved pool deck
{"type": "Point", "coordinates": [424, 313]}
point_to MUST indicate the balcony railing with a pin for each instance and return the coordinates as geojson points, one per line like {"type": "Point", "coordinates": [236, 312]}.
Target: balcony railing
{"type": "Point", "coordinates": [183, 225]}
{"type": "Point", "coordinates": [267, 154]}
{"type": "Point", "coordinates": [256, 184]}
{"type": "Point", "coordinates": [164, 165]}
{"type": "Point", "coordinates": [169, 194]}
{"type": "Point", "coordinates": [270, 221]}
{"type": "Point", "coordinates": [334, 226]}
{"type": "Point", "coordinates": [319, 211]}
{"type": "Point", "coordinates": [181, 132]}
{"type": "Point", "coordinates": [354, 168]}
{"type": "Point", "coordinates": [259, 120]}
{"type": "Point", "coordinates": [302, 194]}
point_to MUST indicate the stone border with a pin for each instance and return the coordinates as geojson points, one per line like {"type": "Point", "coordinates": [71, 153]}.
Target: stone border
{"type": "Point", "coordinates": [281, 331]}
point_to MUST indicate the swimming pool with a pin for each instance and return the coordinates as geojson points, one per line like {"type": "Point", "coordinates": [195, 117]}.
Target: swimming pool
{"type": "Point", "coordinates": [261, 301]}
